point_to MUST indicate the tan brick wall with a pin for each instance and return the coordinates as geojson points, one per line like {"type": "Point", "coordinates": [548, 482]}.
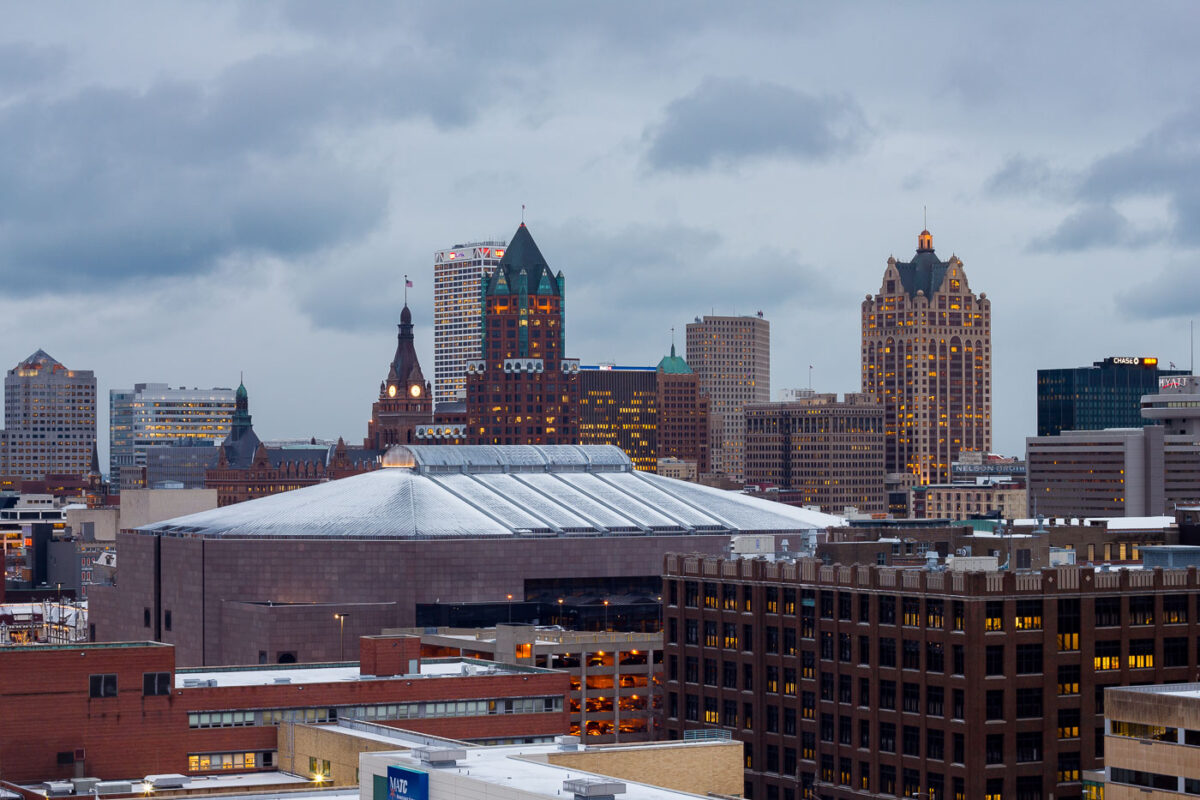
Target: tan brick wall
{"type": "Point", "coordinates": [700, 768]}
{"type": "Point", "coordinates": [340, 749]}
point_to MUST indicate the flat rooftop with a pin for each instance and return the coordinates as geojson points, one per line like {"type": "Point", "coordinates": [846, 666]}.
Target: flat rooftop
{"type": "Point", "coordinates": [339, 673]}
{"type": "Point", "coordinates": [1187, 690]}
{"type": "Point", "coordinates": [516, 767]}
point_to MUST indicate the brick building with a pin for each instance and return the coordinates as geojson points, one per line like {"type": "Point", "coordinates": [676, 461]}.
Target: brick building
{"type": "Point", "coordinates": [123, 710]}
{"type": "Point", "coordinates": [405, 397]}
{"type": "Point", "coordinates": [522, 389]}
{"type": "Point", "coordinates": [247, 468]}
{"type": "Point", "coordinates": [862, 681]}
{"type": "Point", "coordinates": [683, 424]}
{"type": "Point", "coordinates": [828, 453]}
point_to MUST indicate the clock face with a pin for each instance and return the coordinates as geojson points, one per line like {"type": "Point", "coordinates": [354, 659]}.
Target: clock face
{"type": "Point", "coordinates": [415, 391]}
{"type": "Point", "coordinates": [391, 391]}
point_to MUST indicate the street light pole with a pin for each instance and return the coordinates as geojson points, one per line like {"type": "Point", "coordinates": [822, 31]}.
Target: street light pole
{"type": "Point", "coordinates": [510, 609]}
{"type": "Point", "coordinates": [341, 618]}
{"type": "Point", "coordinates": [560, 602]}
{"type": "Point", "coordinates": [606, 615]}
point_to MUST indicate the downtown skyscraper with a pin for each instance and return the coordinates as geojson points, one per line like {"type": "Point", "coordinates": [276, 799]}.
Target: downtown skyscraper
{"type": "Point", "coordinates": [458, 272]}
{"type": "Point", "coordinates": [49, 419]}
{"type": "Point", "coordinates": [927, 359]}
{"type": "Point", "coordinates": [731, 356]}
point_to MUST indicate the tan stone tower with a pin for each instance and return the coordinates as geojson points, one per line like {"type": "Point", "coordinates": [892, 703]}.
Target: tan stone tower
{"type": "Point", "coordinates": [927, 358]}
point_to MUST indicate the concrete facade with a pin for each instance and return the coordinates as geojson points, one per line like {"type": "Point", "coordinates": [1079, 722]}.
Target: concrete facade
{"type": "Point", "coordinates": [731, 357]}
{"type": "Point", "coordinates": [1152, 742]}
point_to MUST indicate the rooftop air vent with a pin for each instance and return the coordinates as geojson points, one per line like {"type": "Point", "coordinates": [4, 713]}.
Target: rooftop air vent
{"type": "Point", "coordinates": [594, 788]}
{"type": "Point", "coordinates": [439, 756]}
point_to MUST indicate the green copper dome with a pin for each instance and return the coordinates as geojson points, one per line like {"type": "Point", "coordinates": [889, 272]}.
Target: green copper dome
{"type": "Point", "coordinates": [674, 365]}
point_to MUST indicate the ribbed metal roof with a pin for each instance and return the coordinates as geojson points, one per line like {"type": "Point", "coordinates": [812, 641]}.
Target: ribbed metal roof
{"type": "Point", "coordinates": [440, 491]}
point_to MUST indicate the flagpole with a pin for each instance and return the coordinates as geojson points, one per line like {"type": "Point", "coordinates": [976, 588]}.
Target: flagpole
{"type": "Point", "coordinates": [405, 290]}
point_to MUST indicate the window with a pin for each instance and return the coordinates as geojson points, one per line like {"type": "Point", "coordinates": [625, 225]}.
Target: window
{"type": "Point", "coordinates": [729, 714]}
{"type": "Point", "coordinates": [1068, 723]}
{"type": "Point", "coordinates": [1029, 746]}
{"type": "Point", "coordinates": [710, 634]}
{"type": "Point", "coordinates": [1141, 609]}
{"type": "Point", "coordinates": [958, 711]}
{"type": "Point", "coordinates": [710, 596]}
{"type": "Point", "coordinates": [789, 722]}
{"type": "Point", "coordinates": [845, 690]}
{"type": "Point", "coordinates": [1108, 656]}
{"type": "Point", "coordinates": [994, 789]}
{"type": "Point", "coordinates": [845, 731]}
{"type": "Point", "coordinates": [826, 686]}
{"type": "Point", "coordinates": [1141, 653]}
{"type": "Point", "coordinates": [1068, 767]}
{"type": "Point", "coordinates": [844, 603]}
{"type": "Point", "coordinates": [1068, 625]}
{"type": "Point", "coordinates": [1029, 702]}
{"type": "Point", "coordinates": [808, 664]}
{"type": "Point", "coordinates": [1108, 612]}
{"type": "Point", "coordinates": [911, 607]}
{"type": "Point", "coordinates": [994, 749]}
{"type": "Point", "coordinates": [691, 632]}
{"type": "Point", "coordinates": [994, 704]}
{"type": "Point", "coordinates": [156, 683]}
{"type": "Point", "coordinates": [772, 639]}
{"type": "Point", "coordinates": [934, 700]}
{"type": "Point", "coordinates": [887, 737]}
{"type": "Point", "coordinates": [773, 679]}
{"type": "Point", "coordinates": [808, 705]}
{"type": "Point", "coordinates": [1029, 659]}
{"type": "Point", "coordinates": [911, 697]}
{"type": "Point", "coordinates": [864, 734]}
{"type": "Point", "coordinates": [1029, 614]}
{"type": "Point", "coordinates": [933, 614]}
{"type": "Point", "coordinates": [912, 654]}
{"type": "Point", "coordinates": [827, 727]}
{"type": "Point", "coordinates": [1068, 679]}
{"type": "Point", "coordinates": [691, 594]}
{"type": "Point", "coordinates": [827, 645]}
{"type": "Point", "coordinates": [887, 610]}
{"type": "Point", "coordinates": [887, 695]}
{"type": "Point", "coordinates": [960, 660]}
{"type": "Point", "coordinates": [826, 604]}
{"type": "Point", "coordinates": [1151, 780]}
{"type": "Point", "coordinates": [1175, 609]}
{"type": "Point", "coordinates": [710, 671]}
{"type": "Point", "coordinates": [887, 651]}
{"type": "Point", "coordinates": [911, 740]}
{"type": "Point", "coordinates": [729, 636]}
{"type": "Point", "coordinates": [728, 674]}
{"type": "Point", "coordinates": [935, 657]}
{"type": "Point", "coordinates": [710, 710]}
{"type": "Point", "coordinates": [1175, 652]}
{"type": "Point", "coordinates": [960, 749]}
{"type": "Point", "coordinates": [844, 648]}
{"type": "Point", "coordinates": [102, 685]}
{"type": "Point", "coordinates": [993, 617]}
{"type": "Point", "coordinates": [960, 615]}
{"type": "Point", "coordinates": [864, 649]}
{"type": "Point", "coordinates": [691, 669]}
{"type": "Point", "coordinates": [318, 768]}
{"type": "Point", "coordinates": [935, 744]}
{"type": "Point", "coordinates": [994, 659]}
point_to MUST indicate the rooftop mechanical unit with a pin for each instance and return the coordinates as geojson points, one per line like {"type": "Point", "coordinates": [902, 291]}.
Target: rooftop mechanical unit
{"type": "Point", "coordinates": [594, 788]}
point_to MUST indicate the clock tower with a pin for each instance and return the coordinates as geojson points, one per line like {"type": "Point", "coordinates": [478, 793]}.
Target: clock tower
{"type": "Point", "coordinates": [404, 400]}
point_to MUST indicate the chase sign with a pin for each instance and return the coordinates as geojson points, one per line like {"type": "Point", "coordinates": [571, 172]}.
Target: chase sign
{"type": "Point", "coordinates": [407, 784]}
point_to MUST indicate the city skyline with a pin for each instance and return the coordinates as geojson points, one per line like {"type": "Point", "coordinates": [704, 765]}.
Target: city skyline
{"type": "Point", "coordinates": [258, 189]}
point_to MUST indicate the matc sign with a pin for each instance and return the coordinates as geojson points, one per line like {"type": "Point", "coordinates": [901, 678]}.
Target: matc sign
{"type": "Point", "coordinates": [407, 784]}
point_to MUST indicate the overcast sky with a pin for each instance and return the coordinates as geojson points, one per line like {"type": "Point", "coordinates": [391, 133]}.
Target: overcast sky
{"type": "Point", "coordinates": [192, 191]}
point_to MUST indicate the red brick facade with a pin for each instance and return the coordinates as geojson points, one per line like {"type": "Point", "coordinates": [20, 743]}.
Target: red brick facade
{"type": "Point", "coordinates": [51, 728]}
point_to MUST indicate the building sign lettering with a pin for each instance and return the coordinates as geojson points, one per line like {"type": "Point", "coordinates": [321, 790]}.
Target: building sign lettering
{"type": "Point", "coordinates": [407, 784]}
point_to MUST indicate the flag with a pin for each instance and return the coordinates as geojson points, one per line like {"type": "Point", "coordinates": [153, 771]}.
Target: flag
{"type": "Point", "coordinates": [407, 283]}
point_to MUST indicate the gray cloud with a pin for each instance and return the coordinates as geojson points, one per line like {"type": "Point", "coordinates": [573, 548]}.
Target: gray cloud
{"type": "Point", "coordinates": [1022, 176]}
{"type": "Point", "coordinates": [1164, 164]}
{"type": "Point", "coordinates": [728, 120]}
{"type": "Point", "coordinates": [103, 184]}
{"type": "Point", "coordinates": [1091, 227]}
{"type": "Point", "coordinates": [24, 65]}
{"type": "Point", "coordinates": [1171, 293]}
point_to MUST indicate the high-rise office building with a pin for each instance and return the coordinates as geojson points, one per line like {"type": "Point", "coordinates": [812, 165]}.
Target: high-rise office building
{"type": "Point", "coordinates": [618, 406]}
{"type": "Point", "coordinates": [927, 359]}
{"type": "Point", "coordinates": [948, 683]}
{"type": "Point", "coordinates": [521, 388]}
{"type": "Point", "coordinates": [152, 414]}
{"type": "Point", "coordinates": [457, 274]}
{"type": "Point", "coordinates": [682, 430]}
{"type": "Point", "coordinates": [404, 399]}
{"type": "Point", "coordinates": [732, 358]}
{"type": "Point", "coordinates": [49, 419]}
{"type": "Point", "coordinates": [1107, 394]}
{"type": "Point", "coordinates": [830, 452]}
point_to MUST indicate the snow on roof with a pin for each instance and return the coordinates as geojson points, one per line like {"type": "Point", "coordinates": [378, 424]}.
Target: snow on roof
{"type": "Point", "coordinates": [332, 673]}
{"type": "Point", "coordinates": [456, 491]}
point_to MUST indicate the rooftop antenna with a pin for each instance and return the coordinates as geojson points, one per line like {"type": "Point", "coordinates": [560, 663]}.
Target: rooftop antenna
{"type": "Point", "coordinates": [1192, 346]}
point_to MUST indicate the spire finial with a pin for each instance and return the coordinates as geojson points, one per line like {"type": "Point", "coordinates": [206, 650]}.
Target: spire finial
{"type": "Point", "coordinates": [522, 213]}
{"type": "Point", "coordinates": [672, 341]}
{"type": "Point", "coordinates": [925, 210]}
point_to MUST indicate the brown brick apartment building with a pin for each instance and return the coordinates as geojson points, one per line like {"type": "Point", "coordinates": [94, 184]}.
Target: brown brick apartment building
{"type": "Point", "coordinates": [122, 710]}
{"type": "Point", "coordinates": [864, 681]}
